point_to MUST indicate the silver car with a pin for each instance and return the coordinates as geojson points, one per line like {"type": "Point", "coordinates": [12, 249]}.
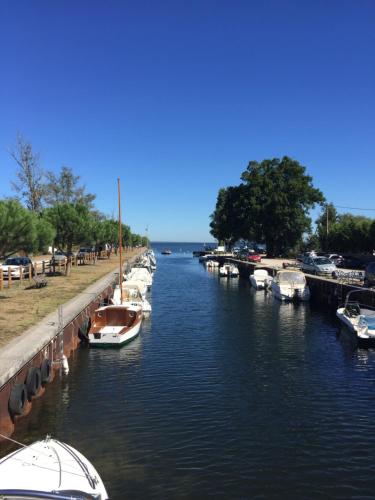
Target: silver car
{"type": "Point", "coordinates": [318, 265]}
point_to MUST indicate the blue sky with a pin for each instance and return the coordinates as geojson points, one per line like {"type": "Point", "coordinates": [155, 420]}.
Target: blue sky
{"type": "Point", "coordinates": [176, 97]}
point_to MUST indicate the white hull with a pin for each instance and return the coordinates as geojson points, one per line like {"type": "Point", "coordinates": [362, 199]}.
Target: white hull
{"type": "Point", "coordinates": [50, 466]}
{"type": "Point", "coordinates": [109, 335]}
{"type": "Point", "coordinates": [357, 324]}
{"type": "Point", "coordinates": [229, 271]}
{"type": "Point", "coordinates": [290, 293]}
{"type": "Point", "coordinates": [260, 280]}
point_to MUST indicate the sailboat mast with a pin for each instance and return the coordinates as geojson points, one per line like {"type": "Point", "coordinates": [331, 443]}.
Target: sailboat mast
{"type": "Point", "coordinates": [119, 237]}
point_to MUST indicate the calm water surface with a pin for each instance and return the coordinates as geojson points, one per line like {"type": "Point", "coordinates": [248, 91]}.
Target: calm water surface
{"type": "Point", "coordinates": [226, 393]}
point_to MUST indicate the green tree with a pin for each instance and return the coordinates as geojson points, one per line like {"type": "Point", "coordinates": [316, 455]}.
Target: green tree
{"type": "Point", "coordinates": [65, 188]}
{"type": "Point", "coordinates": [351, 233]}
{"type": "Point", "coordinates": [17, 228]}
{"type": "Point", "coordinates": [45, 234]}
{"type": "Point", "coordinates": [72, 222]}
{"type": "Point", "coordinates": [229, 221]}
{"type": "Point", "coordinates": [325, 224]}
{"type": "Point", "coordinates": [279, 197]}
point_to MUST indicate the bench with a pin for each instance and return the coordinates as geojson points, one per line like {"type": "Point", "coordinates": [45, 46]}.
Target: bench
{"type": "Point", "coordinates": [39, 282]}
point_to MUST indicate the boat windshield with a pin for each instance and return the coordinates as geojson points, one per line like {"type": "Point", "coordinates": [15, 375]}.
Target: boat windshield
{"type": "Point", "coordinates": [291, 277]}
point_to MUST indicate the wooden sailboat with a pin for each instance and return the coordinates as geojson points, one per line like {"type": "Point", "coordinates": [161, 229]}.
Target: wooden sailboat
{"type": "Point", "coordinates": [115, 325]}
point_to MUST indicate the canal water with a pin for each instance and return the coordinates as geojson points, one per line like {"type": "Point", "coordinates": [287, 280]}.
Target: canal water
{"type": "Point", "coordinates": [226, 393]}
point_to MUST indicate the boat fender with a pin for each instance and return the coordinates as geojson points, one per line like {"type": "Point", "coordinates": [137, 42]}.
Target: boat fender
{"type": "Point", "coordinates": [17, 399]}
{"type": "Point", "coordinates": [83, 331]}
{"type": "Point", "coordinates": [46, 371]}
{"type": "Point", "coordinates": [33, 382]}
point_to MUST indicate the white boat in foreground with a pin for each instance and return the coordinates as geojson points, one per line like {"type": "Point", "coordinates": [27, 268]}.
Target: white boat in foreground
{"type": "Point", "coordinates": [290, 285]}
{"type": "Point", "coordinates": [260, 279]}
{"type": "Point", "coordinates": [115, 325]}
{"type": "Point", "coordinates": [229, 270]}
{"type": "Point", "coordinates": [49, 469]}
{"type": "Point", "coordinates": [358, 318]}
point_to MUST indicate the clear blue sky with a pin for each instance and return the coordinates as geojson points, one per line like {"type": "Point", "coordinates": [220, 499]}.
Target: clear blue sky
{"type": "Point", "coordinates": [176, 97]}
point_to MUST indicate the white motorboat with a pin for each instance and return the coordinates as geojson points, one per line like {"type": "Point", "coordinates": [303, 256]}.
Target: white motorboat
{"type": "Point", "coordinates": [229, 270]}
{"type": "Point", "coordinates": [140, 274]}
{"type": "Point", "coordinates": [210, 264]}
{"type": "Point", "coordinates": [290, 285]}
{"type": "Point", "coordinates": [260, 279]}
{"type": "Point", "coordinates": [131, 296]}
{"type": "Point", "coordinates": [115, 325]}
{"type": "Point", "coordinates": [49, 469]}
{"type": "Point", "coordinates": [358, 318]}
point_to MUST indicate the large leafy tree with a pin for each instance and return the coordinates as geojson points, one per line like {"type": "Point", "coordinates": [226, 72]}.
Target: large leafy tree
{"type": "Point", "coordinates": [281, 195]}
{"type": "Point", "coordinates": [271, 205]}
{"type": "Point", "coordinates": [229, 221]}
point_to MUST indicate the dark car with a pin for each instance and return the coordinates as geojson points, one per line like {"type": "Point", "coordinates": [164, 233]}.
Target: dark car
{"type": "Point", "coordinates": [84, 251]}
{"type": "Point", "coordinates": [369, 275]}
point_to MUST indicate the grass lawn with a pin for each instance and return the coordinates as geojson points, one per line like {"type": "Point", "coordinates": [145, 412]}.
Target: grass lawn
{"type": "Point", "coordinates": [21, 308]}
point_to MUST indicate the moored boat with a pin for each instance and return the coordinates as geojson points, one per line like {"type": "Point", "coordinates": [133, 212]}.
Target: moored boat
{"type": "Point", "coordinates": [260, 279]}
{"type": "Point", "coordinates": [49, 469]}
{"type": "Point", "coordinates": [360, 319]}
{"type": "Point", "coordinates": [115, 325]}
{"type": "Point", "coordinates": [166, 252]}
{"type": "Point", "coordinates": [132, 295]}
{"type": "Point", "coordinates": [290, 285]}
{"type": "Point", "coordinates": [229, 270]}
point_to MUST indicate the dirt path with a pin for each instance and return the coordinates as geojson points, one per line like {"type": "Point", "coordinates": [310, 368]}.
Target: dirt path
{"type": "Point", "coordinates": [21, 308]}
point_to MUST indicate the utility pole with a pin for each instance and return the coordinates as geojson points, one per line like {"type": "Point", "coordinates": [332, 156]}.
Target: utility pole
{"type": "Point", "coordinates": [327, 218]}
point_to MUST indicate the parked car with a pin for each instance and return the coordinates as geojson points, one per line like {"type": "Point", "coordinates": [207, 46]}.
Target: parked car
{"type": "Point", "coordinates": [318, 265]}
{"type": "Point", "coordinates": [253, 257]}
{"type": "Point", "coordinates": [369, 275]}
{"type": "Point", "coordinates": [242, 254]}
{"type": "Point", "coordinates": [337, 259]}
{"type": "Point", "coordinates": [83, 251]}
{"type": "Point", "coordinates": [59, 256]}
{"type": "Point", "coordinates": [15, 264]}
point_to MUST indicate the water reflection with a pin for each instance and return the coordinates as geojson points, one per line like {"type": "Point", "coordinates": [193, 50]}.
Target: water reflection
{"type": "Point", "coordinates": [224, 388]}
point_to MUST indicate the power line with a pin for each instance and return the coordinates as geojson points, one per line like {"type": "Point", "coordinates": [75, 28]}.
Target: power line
{"type": "Point", "coordinates": [355, 208]}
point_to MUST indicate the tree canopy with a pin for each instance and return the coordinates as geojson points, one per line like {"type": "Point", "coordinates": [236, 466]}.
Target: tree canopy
{"type": "Point", "coordinates": [271, 205]}
{"type": "Point", "coordinates": [22, 229]}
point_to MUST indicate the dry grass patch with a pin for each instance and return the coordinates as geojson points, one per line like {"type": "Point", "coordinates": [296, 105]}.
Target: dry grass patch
{"type": "Point", "coordinates": [21, 308]}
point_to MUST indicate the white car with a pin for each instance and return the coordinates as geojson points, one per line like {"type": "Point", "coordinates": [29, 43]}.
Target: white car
{"type": "Point", "coordinates": [14, 265]}
{"type": "Point", "coordinates": [318, 265]}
